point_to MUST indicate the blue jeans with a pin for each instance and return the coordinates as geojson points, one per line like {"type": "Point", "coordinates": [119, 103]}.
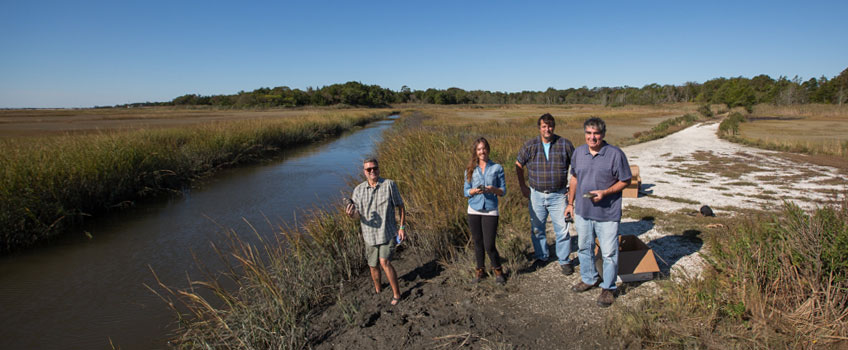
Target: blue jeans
{"type": "Point", "coordinates": [607, 234]}
{"type": "Point", "coordinates": [541, 205]}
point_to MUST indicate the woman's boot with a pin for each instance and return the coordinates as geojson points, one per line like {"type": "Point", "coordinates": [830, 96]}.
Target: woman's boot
{"type": "Point", "coordinates": [479, 275]}
{"type": "Point", "coordinates": [499, 276]}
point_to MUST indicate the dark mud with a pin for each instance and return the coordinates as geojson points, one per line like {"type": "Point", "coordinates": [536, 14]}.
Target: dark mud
{"type": "Point", "coordinates": [441, 310]}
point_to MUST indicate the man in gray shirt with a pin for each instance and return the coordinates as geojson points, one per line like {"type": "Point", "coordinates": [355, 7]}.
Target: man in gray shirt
{"type": "Point", "coordinates": [599, 172]}
{"type": "Point", "coordinates": [374, 202]}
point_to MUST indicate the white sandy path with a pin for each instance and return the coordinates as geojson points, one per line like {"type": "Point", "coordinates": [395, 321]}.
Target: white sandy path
{"type": "Point", "coordinates": [654, 159]}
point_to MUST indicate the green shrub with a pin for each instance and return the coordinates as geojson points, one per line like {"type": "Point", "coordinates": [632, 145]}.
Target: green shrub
{"type": "Point", "coordinates": [705, 111]}
{"type": "Point", "coordinates": [730, 125]}
{"type": "Point", "coordinates": [663, 129]}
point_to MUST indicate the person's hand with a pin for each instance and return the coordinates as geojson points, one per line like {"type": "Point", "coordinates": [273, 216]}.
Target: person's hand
{"type": "Point", "coordinates": [569, 211]}
{"type": "Point", "coordinates": [598, 195]}
{"type": "Point", "coordinates": [402, 234]}
{"type": "Point", "coordinates": [350, 210]}
{"type": "Point", "coordinates": [525, 191]}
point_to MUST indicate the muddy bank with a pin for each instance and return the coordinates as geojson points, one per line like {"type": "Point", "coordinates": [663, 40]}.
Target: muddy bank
{"type": "Point", "coordinates": [535, 310]}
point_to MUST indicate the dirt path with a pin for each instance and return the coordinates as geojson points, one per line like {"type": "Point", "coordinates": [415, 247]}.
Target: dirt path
{"type": "Point", "coordinates": [695, 165]}
{"type": "Point", "coordinates": [536, 309]}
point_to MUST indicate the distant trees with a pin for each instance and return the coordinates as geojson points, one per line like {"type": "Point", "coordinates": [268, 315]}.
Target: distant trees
{"type": "Point", "coordinates": [734, 92]}
{"type": "Point", "coordinates": [351, 93]}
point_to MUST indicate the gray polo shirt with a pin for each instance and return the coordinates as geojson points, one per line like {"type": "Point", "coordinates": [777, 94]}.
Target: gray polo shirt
{"type": "Point", "coordinates": [599, 172]}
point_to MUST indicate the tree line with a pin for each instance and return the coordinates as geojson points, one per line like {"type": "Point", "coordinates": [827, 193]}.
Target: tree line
{"type": "Point", "coordinates": [733, 92]}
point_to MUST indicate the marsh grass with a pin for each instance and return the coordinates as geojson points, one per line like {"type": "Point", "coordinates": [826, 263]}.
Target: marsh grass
{"type": "Point", "coordinates": [270, 287]}
{"type": "Point", "coordinates": [670, 126]}
{"type": "Point", "coordinates": [49, 184]}
{"type": "Point", "coordinates": [774, 280]}
{"type": "Point", "coordinates": [434, 187]}
{"type": "Point", "coordinates": [808, 129]}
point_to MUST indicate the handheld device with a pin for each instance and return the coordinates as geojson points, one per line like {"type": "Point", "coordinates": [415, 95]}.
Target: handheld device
{"type": "Point", "coordinates": [589, 195]}
{"type": "Point", "coordinates": [481, 188]}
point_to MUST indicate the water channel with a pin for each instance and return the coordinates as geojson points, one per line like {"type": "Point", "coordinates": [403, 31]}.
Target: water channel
{"type": "Point", "coordinates": [80, 292]}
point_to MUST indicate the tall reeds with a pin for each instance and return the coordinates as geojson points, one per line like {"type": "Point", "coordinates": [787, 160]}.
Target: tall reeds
{"type": "Point", "coordinates": [49, 184]}
{"type": "Point", "coordinates": [775, 281]}
{"type": "Point", "coordinates": [271, 286]}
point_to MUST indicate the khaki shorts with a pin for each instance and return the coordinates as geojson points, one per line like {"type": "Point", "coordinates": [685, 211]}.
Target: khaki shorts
{"type": "Point", "coordinates": [381, 251]}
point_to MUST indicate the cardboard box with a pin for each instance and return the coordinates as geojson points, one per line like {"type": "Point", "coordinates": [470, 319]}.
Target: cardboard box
{"type": "Point", "coordinates": [632, 191]}
{"type": "Point", "coordinates": [636, 261]}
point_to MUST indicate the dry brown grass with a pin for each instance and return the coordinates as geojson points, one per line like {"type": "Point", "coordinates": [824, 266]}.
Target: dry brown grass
{"type": "Point", "coordinates": [622, 122]}
{"type": "Point", "coordinates": [811, 129]}
{"type": "Point", "coordinates": [49, 183]}
{"type": "Point", "coordinates": [812, 111]}
{"type": "Point", "coordinates": [775, 281]}
{"type": "Point", "coordinates": [47, 122]}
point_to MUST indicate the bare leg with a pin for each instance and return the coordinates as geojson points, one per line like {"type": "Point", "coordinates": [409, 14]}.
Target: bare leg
{"type": "Point", "coordinates": [375, 276]}
{"type": "Point", "coordinates": [392, 277]}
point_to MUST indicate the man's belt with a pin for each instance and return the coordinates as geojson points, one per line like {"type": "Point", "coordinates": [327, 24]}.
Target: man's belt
{"type": "Point", "coordinates": [554, 191]}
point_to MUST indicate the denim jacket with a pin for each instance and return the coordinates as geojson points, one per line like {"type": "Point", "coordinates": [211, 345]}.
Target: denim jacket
{"type": "Point", "coordinates": [492, 176]}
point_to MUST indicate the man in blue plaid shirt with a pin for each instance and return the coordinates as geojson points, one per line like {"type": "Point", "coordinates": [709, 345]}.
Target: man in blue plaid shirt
{"type": "Point", "coordinates": [547, 159]}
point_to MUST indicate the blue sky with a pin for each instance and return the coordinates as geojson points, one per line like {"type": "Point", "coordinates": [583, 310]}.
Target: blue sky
{"type": "Point", "coordinates": [82, 54]}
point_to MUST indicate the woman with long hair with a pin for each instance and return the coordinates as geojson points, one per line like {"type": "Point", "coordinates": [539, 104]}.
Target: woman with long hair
{"type": "Point", "coordinates": [484, 182]}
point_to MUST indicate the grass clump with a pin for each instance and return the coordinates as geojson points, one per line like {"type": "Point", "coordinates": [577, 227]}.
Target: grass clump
{"type": "Point", "coordinates": [50, 184]}
{"type": "Point", "coordinates": [264, 298]}
{"type": "Point", "coordinates": [706, 111]}
{"type": "Point", "coordinates": [774, 281]}
{"type": "Point", "coordinates": [665, 128]}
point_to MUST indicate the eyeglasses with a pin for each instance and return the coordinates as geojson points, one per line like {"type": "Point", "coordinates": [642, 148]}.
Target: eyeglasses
{"type": "Point", "coordinates": [372, 169]}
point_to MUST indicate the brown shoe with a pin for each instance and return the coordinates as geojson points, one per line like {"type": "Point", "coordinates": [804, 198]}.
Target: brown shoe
{"type": "Point", "coordinates": [479, 275]}
{"type": "Point", "coordinates": [606, 298]}
{"type": "Point", "coordinates": [581, 287]}
{"type": "Point", "coordinates": [499, 276]}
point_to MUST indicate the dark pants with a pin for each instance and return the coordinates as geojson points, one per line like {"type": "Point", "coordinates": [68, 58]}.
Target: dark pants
{"type": "Point", "coordinates": [483, 231]}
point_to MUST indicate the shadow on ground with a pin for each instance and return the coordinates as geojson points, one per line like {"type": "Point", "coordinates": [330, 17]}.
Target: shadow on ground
{"type": "Point", "coordinates": [670, 249]}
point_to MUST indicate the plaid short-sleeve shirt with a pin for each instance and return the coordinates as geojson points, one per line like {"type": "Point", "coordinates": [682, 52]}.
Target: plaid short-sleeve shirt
{"type": "Point", "coordinates": [551, 173]}
{"type": "Point", "coordinates": [376, 206]}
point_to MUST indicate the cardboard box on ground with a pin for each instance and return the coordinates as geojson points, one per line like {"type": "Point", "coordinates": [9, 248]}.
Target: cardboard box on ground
{"type": "Point", "coordinates": [636, 261]}
{"type": "Point", "coordinates": [632, 191]}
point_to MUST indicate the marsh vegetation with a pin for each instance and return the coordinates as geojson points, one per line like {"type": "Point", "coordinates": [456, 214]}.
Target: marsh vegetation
{"type": "Point", "coordinates": [51, 183]}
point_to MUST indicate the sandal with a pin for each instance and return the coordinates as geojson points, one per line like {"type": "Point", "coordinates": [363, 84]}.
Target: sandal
{"type": "Point", "coordinates": [395, 301]}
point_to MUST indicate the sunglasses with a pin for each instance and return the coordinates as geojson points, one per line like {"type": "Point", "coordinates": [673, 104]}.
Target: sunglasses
{"type": "Point", "coordinates": [372, 169]}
